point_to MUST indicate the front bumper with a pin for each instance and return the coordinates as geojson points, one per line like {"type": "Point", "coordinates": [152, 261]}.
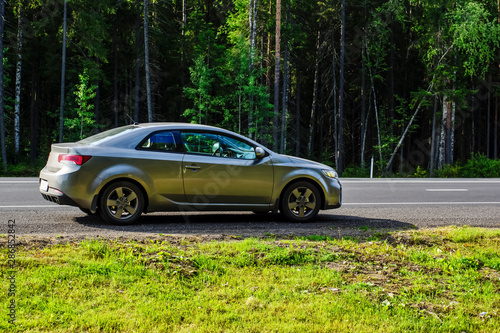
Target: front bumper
{"type": "Point", "coordinates": [333, 195]}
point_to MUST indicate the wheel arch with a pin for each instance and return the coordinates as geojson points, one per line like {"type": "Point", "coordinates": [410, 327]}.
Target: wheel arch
{"type": "Point", "coordinates": [124, 179]}
{"type": "Point", "coordinates": [306, 179]}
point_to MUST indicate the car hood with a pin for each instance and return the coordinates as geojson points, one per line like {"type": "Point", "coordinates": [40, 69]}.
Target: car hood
{"type": "Point", "coordinates": [304, 162]}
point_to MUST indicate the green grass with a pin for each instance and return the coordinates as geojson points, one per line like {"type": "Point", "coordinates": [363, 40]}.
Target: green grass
{"type": "Point", "coordinates": [436, 280]}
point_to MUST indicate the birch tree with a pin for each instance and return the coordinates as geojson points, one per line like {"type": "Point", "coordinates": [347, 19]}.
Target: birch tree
{"type": "Point", "coordinates": [277, 58]}
{"type": "Point", "coordinates": [146, 62]}
{"type": "Point", "coordinates": [17, 102]}
{"type": "Point", "coordinates": [2, 115]}
{"type": "Point", "coordinates": [340, 133]}
{"type": "Point", "coordinates": [63, 73]}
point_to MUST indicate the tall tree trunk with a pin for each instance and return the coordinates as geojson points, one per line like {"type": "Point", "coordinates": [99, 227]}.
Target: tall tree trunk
{"type": "Point", "coordinates": [495, 131]}
{"type": "Point", "coordinates": [363, 104]}
{"type": "Point", "coordinates": [268, 53]}
{"type": "Point", "coordinates": [312, 120]}
{"type": "Point", "coordinates": [284, 101]}
{"type": "Point", "coordinates": [406, 129]}
{"type": "Point", "coordinates": [392, 93]}
{"type": "Point", "coordinates": [146, 62]}
{"type": "Point", "coordinates": [2, 116]}
{"type": "Point", "coordinates": [453, 110]}
{"type": "Point", "coordinates": [137, 89]}
{"type": "Point", "coordinates": [63, 73]}
{"type": "Point", "coordinates": [115, 77]}
{"type": "Point", "coordinates": [448, 133]}
{"type": "Point", "coordinates": [432, 165]}
{"type": "Point", "coordinates": [442, 141]}
{"type": "Point", "coordinates": [340, 134]}
{"type": "Point", "coordinates": [335, 103]}
{"type": "Point", "coordinates": [297, 114]}
{"type": "Point", "coordinates": [277, 57]}
{"type": "Point", "coordinates": [488, 121]}
{"type": "Point", "coordinates": [252, 21]}
{"type": "Point", "coordinates": [375, 107]}
{"type": "Point", "coordinates": [34, 109]}
{"type": "Point", "coordinates": [372, 83]}
{"type": "Point", "coordinates": [183, 61]}
{"type": "Point", "coordinates": [97, 106]}
{"type": "Point", "coordinates": [17, 104]}
{"type": "Point", "coordinates": [473, 121]}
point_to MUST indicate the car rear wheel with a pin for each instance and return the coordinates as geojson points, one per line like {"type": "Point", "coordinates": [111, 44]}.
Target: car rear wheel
{"type": "Point", "coordinates": [121, 203]}
{"type": "Point", "coordinates": [300, 202]}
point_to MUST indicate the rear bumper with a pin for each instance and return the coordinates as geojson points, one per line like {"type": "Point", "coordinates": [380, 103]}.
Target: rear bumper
{"type": "Point", "coordinates": [64, 188]}
{"type": "Point", "coordinates": [57, 197]}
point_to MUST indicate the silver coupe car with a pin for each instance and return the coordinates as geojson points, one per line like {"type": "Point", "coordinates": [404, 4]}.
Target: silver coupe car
{"type": "Point", "coordinates": [135, 169]}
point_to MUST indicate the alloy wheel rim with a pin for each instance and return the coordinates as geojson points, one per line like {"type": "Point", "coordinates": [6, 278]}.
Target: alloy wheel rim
{"type": "Point", "coordinates": [302, 202]}
{"type": "Point", "coordinates": [122, 203]}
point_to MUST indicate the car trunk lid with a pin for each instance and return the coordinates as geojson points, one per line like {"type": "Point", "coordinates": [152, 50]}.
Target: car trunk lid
{"type": "Point", "coordinates": [53, 164]}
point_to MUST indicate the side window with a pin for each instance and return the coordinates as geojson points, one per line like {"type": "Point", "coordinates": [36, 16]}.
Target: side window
{"type": "Point", "coordinates": [199, 143]}
{"type": "Point", "coordinates": [217, 145]}
{"type": "Point", "coordinates": [163, 141]}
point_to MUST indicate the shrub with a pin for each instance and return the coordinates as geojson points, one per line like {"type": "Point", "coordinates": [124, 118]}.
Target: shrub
{"type": "Point", "coordinates": [353, 171]}
{"type": "Point", "coordinates": [449, 171]}
{"type": "Point", "coordinates": [478, 166]}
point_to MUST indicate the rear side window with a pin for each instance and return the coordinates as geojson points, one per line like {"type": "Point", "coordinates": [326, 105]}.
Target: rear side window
{"type": "Point", "coordinates": [162, 141]}
{"type": "Point", "coordinates": [106, 135]}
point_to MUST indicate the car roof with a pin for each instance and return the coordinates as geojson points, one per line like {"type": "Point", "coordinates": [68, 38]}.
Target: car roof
{"type": "Point", "coordinates": [177, 125]}
{"type": "Point", "coordinates": [159, 126]}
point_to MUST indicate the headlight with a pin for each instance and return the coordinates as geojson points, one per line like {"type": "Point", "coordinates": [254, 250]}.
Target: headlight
{"type": "Point", "coordinates": [330, 173]}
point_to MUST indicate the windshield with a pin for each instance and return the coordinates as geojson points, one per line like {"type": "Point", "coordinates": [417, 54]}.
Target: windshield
{"type": "Point", "coordinates": [103, 136]}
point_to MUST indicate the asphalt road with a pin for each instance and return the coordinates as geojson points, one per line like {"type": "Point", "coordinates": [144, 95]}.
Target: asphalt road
{"type": "Point", "coordinates": [377, 205]}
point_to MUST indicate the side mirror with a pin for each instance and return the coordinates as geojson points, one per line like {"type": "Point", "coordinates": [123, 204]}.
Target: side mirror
{"type": "Point", "coordinates": [259, 153]}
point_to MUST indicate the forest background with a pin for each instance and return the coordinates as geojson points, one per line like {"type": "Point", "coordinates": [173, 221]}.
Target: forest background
{"type": "Point", "coordinates": [414, 84]}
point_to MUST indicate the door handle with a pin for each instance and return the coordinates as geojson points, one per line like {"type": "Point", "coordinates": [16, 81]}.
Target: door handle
{"type": "Point", "coordinates": [192, 167]}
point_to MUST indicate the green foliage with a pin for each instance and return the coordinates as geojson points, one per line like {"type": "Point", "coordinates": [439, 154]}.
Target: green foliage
{"type": "Point", "coordinates": [475, 35]}
{"type": "Point", "coordinates": [478, 166]}
{"type": "Point", "coordinates": [449, 171]}
{"type": "Point", "coordinates": [315, 284]}
{"type": "Point", "coordinates": [420, 173]}
{"type": "Point", "coordinates": [205, 105]}
{"type": "Point", "coordinates": [224, 89]}
{"type": "Point", "coordinates": [8, 100]}
{"type": "Point", "coordinates": [24, 168]}
{"type": "Point", "coordinates": [203, 70]}
{"type": "Point", "coordinates": [355, 171]}
{"type": "Point", "coordinates": [81, 118]}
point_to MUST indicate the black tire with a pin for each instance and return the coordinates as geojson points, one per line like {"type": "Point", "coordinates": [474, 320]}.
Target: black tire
{"type": "Point", "coordinates": [300, 202]}
{"type": "Point", "coordinates": [121, 203]}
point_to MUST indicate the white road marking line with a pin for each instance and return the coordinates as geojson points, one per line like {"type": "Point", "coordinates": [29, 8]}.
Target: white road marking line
{"type": "Point", "coordinates": [38, 206]}
{"type": "Point", "coordinates": [18, 181]}
{"type": "Point", "coordinates": [413, 181]}
{"type": "Point", "coordinates": [418, 203]}
{"type": "Point", "coordinates": [446, 190]}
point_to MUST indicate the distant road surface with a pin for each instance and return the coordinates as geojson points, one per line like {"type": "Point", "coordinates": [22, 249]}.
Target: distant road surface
{"type": "Point", "coordinates": [368, 204]}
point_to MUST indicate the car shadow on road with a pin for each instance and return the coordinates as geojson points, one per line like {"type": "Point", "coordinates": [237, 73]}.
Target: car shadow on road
{"type": "Point", "coordinates": [247, 225]}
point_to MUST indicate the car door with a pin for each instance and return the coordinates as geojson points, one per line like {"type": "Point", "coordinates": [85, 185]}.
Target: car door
{"type": "Point", "coordinates": [160, 155]}
{"type": "Point", "coordinates": [220, 169]}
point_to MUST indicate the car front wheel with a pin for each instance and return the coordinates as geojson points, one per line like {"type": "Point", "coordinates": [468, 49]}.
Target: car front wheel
{"type": "Point", "coordinates": [300, 202]}
{"type": "Point", "coordinates": [121, 203]}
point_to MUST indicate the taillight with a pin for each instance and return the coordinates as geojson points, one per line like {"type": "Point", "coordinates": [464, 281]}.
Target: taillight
{"type": "Point", "coordinates": [77, 159]}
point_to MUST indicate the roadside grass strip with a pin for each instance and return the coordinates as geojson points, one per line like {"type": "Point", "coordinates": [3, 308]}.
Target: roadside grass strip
{"type": "Point", "coordinates": [429, 280]}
